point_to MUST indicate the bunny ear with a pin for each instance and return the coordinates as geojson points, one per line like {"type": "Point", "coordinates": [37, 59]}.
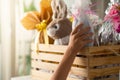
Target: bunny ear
{"type": "Point", "coordinates": [59, 9]}
{"type": "Point", "coordinates": [63, 9]}
{"type": "Point", "coordinates": [53, 5]}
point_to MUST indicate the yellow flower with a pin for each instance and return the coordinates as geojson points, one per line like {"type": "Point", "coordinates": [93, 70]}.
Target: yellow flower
{"type": "Point", "coordinates": [41, 26]}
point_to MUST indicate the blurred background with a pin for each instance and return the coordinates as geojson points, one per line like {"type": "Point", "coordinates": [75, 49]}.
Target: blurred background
{"type": "Point", "coordinates": [15, 40]}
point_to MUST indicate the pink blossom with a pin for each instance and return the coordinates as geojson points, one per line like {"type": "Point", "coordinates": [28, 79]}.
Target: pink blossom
{"type": "Point", "coordinates": [118, 29]}
{"type": "Point", "coordinates": [117, 26]}
{"type": "Point", "coordinates": [113, 12]}
{"type": "Point", "coordinates": [114, 15]}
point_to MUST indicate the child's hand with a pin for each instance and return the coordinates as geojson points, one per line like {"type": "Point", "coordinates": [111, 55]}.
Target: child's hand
{"type": "Point", "coordinates": [80, 37]}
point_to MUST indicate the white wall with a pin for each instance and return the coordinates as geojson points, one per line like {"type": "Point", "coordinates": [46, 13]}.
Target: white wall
{"type": "Point", "coordinates": [0, 42]}
{"type": "Point", "coordinates": [5, 39]}
{"type": "Point", "coordinates": [102, 7]}
{"type": "Point", "coordinates": [0, 63]}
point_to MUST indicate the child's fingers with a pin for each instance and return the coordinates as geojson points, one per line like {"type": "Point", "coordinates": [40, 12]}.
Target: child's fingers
{"type": "Point", "coordinates": [86, 36]}
{"type": "Point", "coordinates": [82, 32]}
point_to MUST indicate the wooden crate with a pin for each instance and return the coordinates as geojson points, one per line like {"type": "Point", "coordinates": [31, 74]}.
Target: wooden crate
{"type": "Point", "coordinates": [95, 63]}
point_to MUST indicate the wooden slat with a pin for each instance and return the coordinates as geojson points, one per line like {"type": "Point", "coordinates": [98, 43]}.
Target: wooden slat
{"type": "Point", "coordinates": [36, 78]}
{"type": "Point", "coordinates": [104, 61]}
{"type": "Point", "coordinates": [62, 49]}
{"type": "Point", "coordinates": [51, 66]}
{"type": "Point", "coordinates": [43, 65]}
{"type": "Point", "coordinates": [51, 48]}
{"type": "Point", "coordinates": [38, 75]}
{"type": "Point", "coordinates": [102, 72]}
{"type": "Point", "coordinates": [39, 78]}
{"type": "Point", "coordinates": [113, 78]}
{"type": "Point", "coordinates": [57, 58]}
{"type": "Point", "coordinates": [55, 48]}
{"type": "Point", "coordinates": [96, 50]}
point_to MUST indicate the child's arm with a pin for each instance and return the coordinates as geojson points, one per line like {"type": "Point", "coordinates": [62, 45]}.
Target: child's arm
{"type": "Point", "coordinates": [78, 39]}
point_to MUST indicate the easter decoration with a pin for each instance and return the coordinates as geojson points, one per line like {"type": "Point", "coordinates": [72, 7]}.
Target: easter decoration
{"type": "Point", "coordinates": [60, 27]}
{"type": "Point", "coordinates": [82, 13]}
{"type": "Point", "coordinates": [79, 13]}
{"type": "Point", "coordinates": [38, 20]}
{"type": "Point", "coordinates": [109, 33]}
{"type": "Point", "coordinates": [112, 2]}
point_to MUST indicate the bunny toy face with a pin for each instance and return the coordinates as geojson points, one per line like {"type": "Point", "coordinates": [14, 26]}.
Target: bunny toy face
{"type": "Point", "coordinates": [59, 28]}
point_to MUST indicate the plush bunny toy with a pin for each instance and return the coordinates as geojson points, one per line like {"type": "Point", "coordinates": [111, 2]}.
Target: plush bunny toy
{"type": "Point", "coordinates": [60, 27]}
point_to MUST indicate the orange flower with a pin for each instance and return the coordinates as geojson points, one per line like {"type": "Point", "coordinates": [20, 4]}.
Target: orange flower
{"type": "Point", "coordinates": [38, 20]}
{"type": "Point", "coordinates": [32, 18]}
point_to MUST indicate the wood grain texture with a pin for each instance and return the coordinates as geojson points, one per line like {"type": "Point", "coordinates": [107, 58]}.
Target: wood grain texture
{"type": "Point", "coordinates": [57, 58]}
{"type": "Point", "coordinates": [90, 50]}
{"type": "Point", "coordinates": [104, 61]}
{"type": "Point", "coordinates": [38, 75]}
{"type": "Point", "coordinates": [52, 67]}
{"type": "Point", "coordinates": [84, 64]}
{"type": "Point", "coordinates": [105, 71]}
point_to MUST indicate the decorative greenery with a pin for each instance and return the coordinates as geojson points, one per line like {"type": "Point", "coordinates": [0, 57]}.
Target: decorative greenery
{"type": "Point", "coordinates": [28, 63]}
{"type": "Point", "coordinates": [31, 7]}
{"type": "Point", "coordinates": [24, 63]}
{"type": "Point", "coordinates": [24, 69]}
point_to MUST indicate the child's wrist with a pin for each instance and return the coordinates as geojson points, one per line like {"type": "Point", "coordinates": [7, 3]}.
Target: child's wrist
{"type": "Point", "coordinates": [72, 49]}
